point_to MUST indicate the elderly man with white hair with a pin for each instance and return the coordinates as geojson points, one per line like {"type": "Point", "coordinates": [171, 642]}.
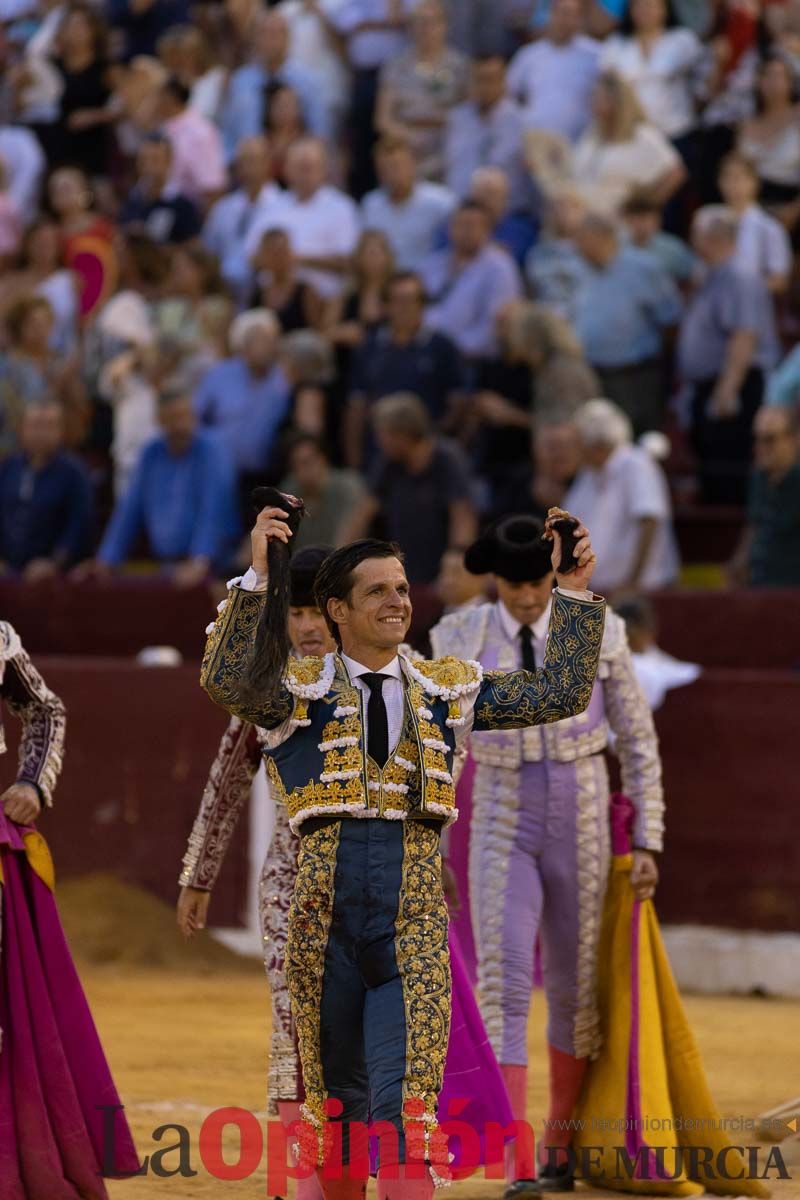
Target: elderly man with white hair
{"type": "Point", "coordinates": [512, 228]}
{"type": "Point", "coordinates": [625, 494]}
{"type": "Point", "coordinates": [321, 221]}
{"type": "Point", "coordinates": [727, 343]}
{"type": "Point", "coordinates": [247, 397]}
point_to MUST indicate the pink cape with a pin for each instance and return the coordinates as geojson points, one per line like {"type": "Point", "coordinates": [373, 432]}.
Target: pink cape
{"type": "Point", "coordinates": [54, 1079]}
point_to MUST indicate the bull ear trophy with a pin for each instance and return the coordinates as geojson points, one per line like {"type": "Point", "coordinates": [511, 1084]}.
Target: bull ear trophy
{"type": "Point", "coordinates": [271, 649]}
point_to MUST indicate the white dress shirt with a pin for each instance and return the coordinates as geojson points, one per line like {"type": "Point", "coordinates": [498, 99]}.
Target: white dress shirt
{"type": "Point", "coordinates": [663, 79]}
{"type": "Point", "coordinates": [762, 244]}
{"type": "Point", "coordinates": [325, 224]}
{"type": "Point", "coordinates": [511, 627]}
{"type": "Point", "coordinates": [392, 691]}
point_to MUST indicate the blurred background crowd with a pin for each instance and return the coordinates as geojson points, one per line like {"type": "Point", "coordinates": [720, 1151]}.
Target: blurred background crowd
{"type": "Point", "coordinates": [421, 263]}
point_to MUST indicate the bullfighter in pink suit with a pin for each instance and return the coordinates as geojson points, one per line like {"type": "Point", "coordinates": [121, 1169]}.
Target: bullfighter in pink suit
{"type": "Point", "coordinates": [539, 835]}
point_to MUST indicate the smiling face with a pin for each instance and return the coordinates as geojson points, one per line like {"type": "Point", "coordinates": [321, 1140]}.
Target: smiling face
{"type": "Point", "coordinates": [376, 616]}
{"type": "Point", "coordinates": [308, 631]}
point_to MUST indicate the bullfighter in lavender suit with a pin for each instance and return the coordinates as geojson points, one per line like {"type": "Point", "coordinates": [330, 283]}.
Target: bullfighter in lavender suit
{"type": "Point", "coordinates": [539, 840]}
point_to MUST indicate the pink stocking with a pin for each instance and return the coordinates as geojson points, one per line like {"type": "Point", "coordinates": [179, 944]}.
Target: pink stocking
{"type": "Point", "coordinates": [308, 1188]}
{"type": "Point", "coordinates": [400, 1187]}
{"type": "Point", "coordinates": [340, 1189]}
{"type": "Point", "coordinates": [520, 1158]}
{"type": "Point", "coordinates": [566, 1080]}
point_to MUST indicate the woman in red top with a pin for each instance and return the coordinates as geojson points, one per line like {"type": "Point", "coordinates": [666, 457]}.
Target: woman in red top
{"type": "Point", "coordinates": [86, 236]}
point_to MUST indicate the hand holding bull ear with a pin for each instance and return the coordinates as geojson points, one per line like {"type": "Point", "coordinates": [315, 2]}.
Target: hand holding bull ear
{"type": "Point", "coordinates": [277, 521]}
{"type": "Point", "coordinates": [279, 517]}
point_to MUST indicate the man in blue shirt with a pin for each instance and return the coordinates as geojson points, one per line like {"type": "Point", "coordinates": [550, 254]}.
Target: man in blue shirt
{"type": "Point", "coordinates": [181, 496]}
{"type": "Point", "coordinates": [246, 399]}
{"type": "Point", "coordinates": [45, 498]}
{"type": "Point", "coordinates": [623, 309]}
{"type": "Point", "coordinates": [245, 109]}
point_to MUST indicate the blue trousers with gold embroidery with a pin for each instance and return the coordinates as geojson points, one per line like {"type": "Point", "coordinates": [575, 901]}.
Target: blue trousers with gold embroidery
{"type": "Point", "coordinates": [368, 970]}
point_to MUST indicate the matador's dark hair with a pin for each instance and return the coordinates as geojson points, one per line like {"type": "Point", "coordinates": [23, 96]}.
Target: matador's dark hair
{"type": "Point", "coordinates": [267, 663]}
{"type": "Point", "coordinates": [335, 577]}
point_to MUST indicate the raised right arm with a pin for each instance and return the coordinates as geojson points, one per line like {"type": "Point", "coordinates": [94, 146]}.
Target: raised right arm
{"type": "Point", "coordinates": [228, 648]}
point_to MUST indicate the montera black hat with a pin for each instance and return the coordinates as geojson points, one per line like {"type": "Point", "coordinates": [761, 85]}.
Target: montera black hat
{"type": "Point", "coordinates": [512, 548]}
{"type": "Point", "coordinates": [303, 573]}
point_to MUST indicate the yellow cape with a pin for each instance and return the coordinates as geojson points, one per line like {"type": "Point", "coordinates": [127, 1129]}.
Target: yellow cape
{"type": "Point", "coordinates": [663, 1060]}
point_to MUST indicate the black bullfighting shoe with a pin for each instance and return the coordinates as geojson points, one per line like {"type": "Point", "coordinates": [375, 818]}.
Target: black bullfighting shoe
{"type": "Point", "coordinates": [522, 1189]}
{"type": "Point", "coordinates": [555, 1179]}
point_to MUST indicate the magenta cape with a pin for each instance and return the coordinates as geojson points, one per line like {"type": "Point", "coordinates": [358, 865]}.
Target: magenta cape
{"type": "Point", "coordinates": [54, 1079]}
{"type": "Point", "coordinates": [471, 1072]}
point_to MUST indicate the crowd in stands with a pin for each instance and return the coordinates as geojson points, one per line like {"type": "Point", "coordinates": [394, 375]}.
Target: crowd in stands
{"type": "Point", "coordinates": [423, 263]}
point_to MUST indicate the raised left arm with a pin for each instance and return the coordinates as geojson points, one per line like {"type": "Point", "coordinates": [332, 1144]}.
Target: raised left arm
{"type": "Point", "coordinates": [43, 718]}
{"type": "Point", "coordinates": [563, 685]}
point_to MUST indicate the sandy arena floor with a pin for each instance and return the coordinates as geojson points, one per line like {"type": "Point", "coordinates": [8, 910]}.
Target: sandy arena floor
{"type": "Point", "coordinates": [181, 1046]}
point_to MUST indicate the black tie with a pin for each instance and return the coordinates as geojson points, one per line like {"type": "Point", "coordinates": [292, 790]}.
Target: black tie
{"type": "Point", "coordinates": [528, 656]}
{"type": "Point", "coordinates": [377, 721]}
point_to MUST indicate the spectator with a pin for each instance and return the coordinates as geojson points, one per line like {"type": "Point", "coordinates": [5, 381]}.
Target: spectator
{"type": "Point", "coordinates": [374, 32]}
{"type": "Point", "coordinates": [80, 135]}
{"type": "Point", "coordinates": [24, 162]}
{"type": "Point", "coordinates": [278, 286]}
{"type": "Point", "coordinates": [197, 69]}
{"type": "Point", "coordinates": [181, 496]}
{"type": "Point", "coordinates": [321, 221]}
{"type": "Point", "coordinates": [245, 106]}
{"type": "Point", "coordinates": [356, 314]}
{"type": "Point", "coordinates": [40, 271]}
{"type": "Point", "coordinates": [762, 244]}
{"type": "Point", "coordinates": [10, 222]}
{"type": "Point", "coordinates": [198, 164]}
{"type": "Point", "coordinates": [417, 472]}
{"type": "Point", "coordinates": [419, 88]}
{"type": "Point", "coordinates": [315, 47]}
{"type": "Point", "coordinates": [624, 494]}
{"type": "Point", "coordinates": [87, 238]}
{"type": "Point", "coordinates": [284, 125]}
{"type": "Point", "coordinates": [331, 494]}
{"type": "Point", "coordinates": [45, 498]}
{"type": "Point", "coordinates": [514, 230]}
{"type": "Point", "coordinates": [457, 587]}
{"type": "Point", "coordinates": [661, 64]}
{"type": "Point", "coordinates": [501, 404]}
{"type": "Point", "coordinates": [552, 78]}
{"type": "Point", "coordinates": [562, 379]}
{"type": "Point", "coordinates": [404, 352]}
{"type": "Point", "coordinates": [306, 358]}
{"type": "Point", "coordinates": [642, 219]}
{"type": "Point", "coordinates": [623, 310]}
{"type": "Point", "coordinates": [769, 550]}
{"type": "Point", "coordinates": [657, 672]}
{"type": "Point", "coordinates": [410, 212]}
{"type": "Point", "coordinates": [193, 309]}
{"type": "Point", "coordinates": [727, 343]}
{"type": "Point", "coordinates": [469, 282]}
{"type": "Point", "coordinates": [143, 24]}
{"type": "Point", "coordinates": [154, 206]}
{"type": "Point", "coordinates": [542, 481]}
{"type": "Point", "coordinates": [486, 131]}
{"type": "Point", "coordinates": [29, 373]}
{"type": "Point", "coordinates": [246, 398]}
{"type": "Point", "coordinates": [770, 140]}
{"type": "Point", "coordinates": [554, 267]}
{"type": "Point", "coordinates": [226, 232]}
{"type": "Point", "coordinates": [621, 153]}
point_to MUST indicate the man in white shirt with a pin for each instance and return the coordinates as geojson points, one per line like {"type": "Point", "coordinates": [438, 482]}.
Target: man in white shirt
{"type": "Point", "coordinates": [486, 131]}
{"type": "Point", "coordinates": [763, 247]}
{"type": "Point", "coordinates": [625, 494]}
{"type": "Point", "coordinates": [538, 806]}
{"type": "Point", "coordinates": [257, 199]}
{"type": "Point", "coordinates": [552, 78]}
{"type": "Point", "coordinates": [321, 221]}
{"type": "Point", "coordinates": [410, 212]}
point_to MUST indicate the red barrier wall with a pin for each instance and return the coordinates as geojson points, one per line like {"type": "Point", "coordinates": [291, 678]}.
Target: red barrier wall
{"type": "Point", "coordinates": [140, 742]}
